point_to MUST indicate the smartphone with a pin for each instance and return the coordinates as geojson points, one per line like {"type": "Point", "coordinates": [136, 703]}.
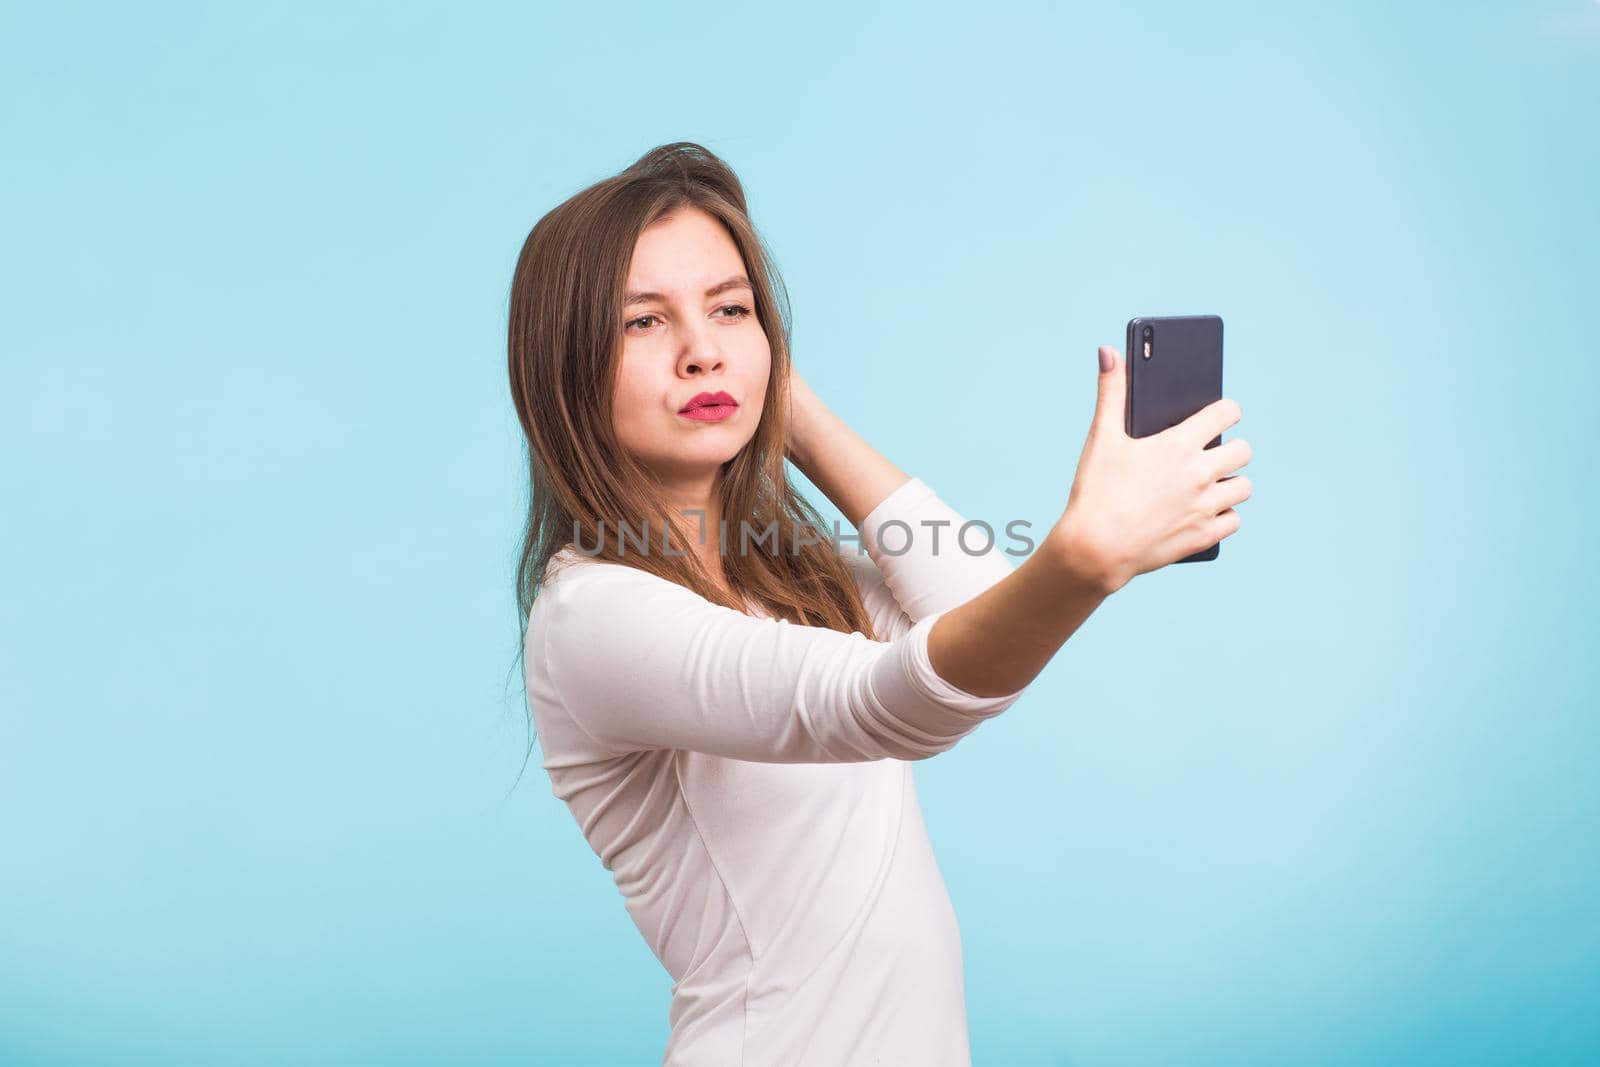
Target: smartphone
{"type": "Point", "coordinates": [1174, 370]}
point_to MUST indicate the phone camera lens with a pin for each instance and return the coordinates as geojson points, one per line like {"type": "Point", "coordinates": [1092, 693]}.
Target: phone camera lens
{"type": "Point", "coordinates": [1148, 331]}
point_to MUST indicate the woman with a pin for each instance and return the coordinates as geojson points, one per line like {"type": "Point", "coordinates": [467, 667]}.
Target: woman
{"type": "Point", "coordinates": [729, 701]}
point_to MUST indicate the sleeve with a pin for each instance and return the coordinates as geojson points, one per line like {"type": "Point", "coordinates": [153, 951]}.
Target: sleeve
{"type": "Point", "coordinates": [922, 563]}
{"type": "Point", "coordinates": [640, 662]}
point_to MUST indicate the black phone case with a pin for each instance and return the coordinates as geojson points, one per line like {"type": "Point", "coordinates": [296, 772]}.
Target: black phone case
{"type": "Point", "coordinates": [1182, 375]}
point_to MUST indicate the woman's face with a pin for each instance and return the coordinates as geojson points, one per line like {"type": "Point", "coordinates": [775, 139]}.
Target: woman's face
{"type": "Point", "coordinates": [681, 339]}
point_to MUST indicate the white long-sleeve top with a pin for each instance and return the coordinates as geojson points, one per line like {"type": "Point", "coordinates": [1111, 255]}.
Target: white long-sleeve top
{"type": "Point", "coordinates": [748, 783]}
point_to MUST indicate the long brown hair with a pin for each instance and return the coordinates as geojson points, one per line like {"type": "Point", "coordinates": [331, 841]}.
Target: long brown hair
{"type": "Point", "coordinates": [564, 347]}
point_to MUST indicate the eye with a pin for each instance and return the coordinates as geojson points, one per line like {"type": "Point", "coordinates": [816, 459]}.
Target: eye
{"type": "Point", "coordinates": [740, 313]}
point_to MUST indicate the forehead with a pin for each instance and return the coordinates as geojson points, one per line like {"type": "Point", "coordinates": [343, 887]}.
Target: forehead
{"type": "Point", "coordinates": [683, 255]}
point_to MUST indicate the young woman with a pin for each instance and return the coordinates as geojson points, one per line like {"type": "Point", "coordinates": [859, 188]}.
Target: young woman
{"type": "Point", "coordinates": [729, 697]}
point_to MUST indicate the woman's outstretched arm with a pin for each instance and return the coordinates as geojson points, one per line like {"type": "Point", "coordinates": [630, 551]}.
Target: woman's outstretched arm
{"type": "Point", "coordinates": [1136, 504]}
{"type": "Point", "coordinates": [640, 662]}
{"type": "Point", "coordinates": [1001, 639]}
{"type": "Point", "coordinates": [1001, 624]}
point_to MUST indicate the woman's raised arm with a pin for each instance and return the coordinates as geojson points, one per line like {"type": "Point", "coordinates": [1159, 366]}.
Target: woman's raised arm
{"type": "Point", "coordinates": [928, 561]}
{"type": "Point", "coordinates": [837, 460]}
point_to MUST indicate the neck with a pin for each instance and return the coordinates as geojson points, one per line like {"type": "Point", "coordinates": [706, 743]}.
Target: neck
{"type": "Point", "coordinates": [696, 507]}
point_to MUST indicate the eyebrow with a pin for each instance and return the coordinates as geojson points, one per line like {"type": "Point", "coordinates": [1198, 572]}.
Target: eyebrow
{"type": "Point", "coordinates": [736, 282]}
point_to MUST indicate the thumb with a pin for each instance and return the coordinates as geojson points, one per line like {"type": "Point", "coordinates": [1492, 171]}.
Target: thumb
{"type": "Point", "coordinates": [1109, 404]}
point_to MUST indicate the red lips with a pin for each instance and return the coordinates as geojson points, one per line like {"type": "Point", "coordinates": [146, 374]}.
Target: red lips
{"type": "Point", "coordinates": [701, 400]}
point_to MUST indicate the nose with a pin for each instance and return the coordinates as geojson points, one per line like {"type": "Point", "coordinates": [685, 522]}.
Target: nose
{"type": "Point", "coordinates": [699, 357]}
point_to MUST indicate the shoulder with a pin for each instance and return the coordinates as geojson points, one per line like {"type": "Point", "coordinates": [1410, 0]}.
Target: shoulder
{"type": "Point", "coordinates": [566, 560]}
{"type": "Point", "coordinates": [571, 577]}
{"type": "Point", "coordinates": [596, 598]}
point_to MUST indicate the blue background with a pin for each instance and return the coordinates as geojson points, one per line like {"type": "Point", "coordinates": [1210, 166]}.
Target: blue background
{"type": "Point", "coordinates": [1329, 800]}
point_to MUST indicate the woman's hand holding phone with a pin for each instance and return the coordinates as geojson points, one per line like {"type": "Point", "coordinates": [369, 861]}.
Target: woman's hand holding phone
{"type": "Point", "coordinates": [1140, 503]}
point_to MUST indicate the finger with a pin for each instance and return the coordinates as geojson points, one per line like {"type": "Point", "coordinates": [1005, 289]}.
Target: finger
{"type": "Point", "coordinates": [1111, 400]}
{"type": "Point", "coordinates": [1224, 525]}
{"type": "Point", "coordinates": [1227, 492]}
{"type": "Point", "coordinates": [1211, 420]}
{"type": "Point", "coordinates": [1227, 457]}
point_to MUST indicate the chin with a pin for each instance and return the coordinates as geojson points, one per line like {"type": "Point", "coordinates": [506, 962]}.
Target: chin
{"type": "Point", "coordinates": [712, 453]}
{"type": "Point", "coordinates": [718, 458]}
{"type": "Point", "coordinates": [710, 456]}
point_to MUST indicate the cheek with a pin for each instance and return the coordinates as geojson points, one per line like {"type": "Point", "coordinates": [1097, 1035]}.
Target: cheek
{"type": "Point", "coordinates": [758, 360]}
{"type": "Point", "coordinates": [634, 405]}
